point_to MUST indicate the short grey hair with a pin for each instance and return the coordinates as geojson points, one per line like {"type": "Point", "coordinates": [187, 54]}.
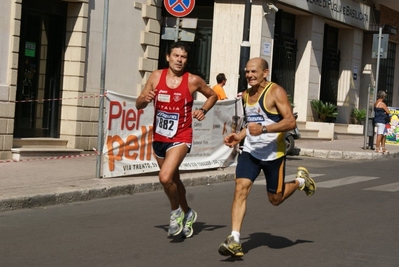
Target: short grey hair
{"type": "Point", "coordinates": [381, 94]}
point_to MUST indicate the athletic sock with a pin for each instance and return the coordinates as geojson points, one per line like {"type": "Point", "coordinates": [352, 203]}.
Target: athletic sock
{"type": "Point", "coordinates": [236, 236]}
{"type": "Point", "coordinates": [176, 211]}
{"type": "Point", "coordinates": [301, 181]}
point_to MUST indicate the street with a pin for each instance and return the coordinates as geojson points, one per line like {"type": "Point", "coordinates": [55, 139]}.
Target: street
{"type": "Point", "coordinates": [352, 220]}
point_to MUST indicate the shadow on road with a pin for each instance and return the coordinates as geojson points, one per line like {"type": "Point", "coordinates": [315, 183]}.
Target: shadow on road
{"type": "Point", "coordinates": [265, 239]}
{"type": "Point", "coordinates": [198, 228]}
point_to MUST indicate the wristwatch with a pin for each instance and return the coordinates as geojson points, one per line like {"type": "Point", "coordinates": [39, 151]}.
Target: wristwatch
{"type": "Point", "coordinates": [203, 110]}
{"type": "Point", "coordinates": [264, 129]}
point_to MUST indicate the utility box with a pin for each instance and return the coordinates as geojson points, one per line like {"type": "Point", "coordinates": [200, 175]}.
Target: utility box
{"type": "Point", "coordinates": [370, 127]}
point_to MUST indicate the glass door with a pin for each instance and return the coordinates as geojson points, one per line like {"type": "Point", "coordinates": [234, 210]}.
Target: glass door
{"type": "Point", "coordinates": [37, 112]}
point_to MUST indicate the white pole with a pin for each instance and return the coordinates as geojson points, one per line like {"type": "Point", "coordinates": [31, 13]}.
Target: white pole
{"type": "Point", "coordinates": [177, 29]}
{"type": "Point", "coordinates": [102, 90]}
{"type": "Point", "coordinates": [375, 91]}
{"type": "Point", "coordinates": [378, 64]}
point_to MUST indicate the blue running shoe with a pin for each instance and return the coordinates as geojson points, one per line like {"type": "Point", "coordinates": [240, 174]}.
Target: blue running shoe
{"type": "Point", "coordinates": [189, 220]}
{"type": "Point", "coordinates": [176, 222]}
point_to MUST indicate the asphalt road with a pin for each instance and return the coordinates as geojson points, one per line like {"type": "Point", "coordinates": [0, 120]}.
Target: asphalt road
{"type": "Point", "coordinates": [352, 220]}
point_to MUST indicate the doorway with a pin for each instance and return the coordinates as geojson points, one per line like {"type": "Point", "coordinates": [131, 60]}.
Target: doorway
{"type": "Point", "coordinates": [284, 52]}
{"type": "Point", "coordinates": [330, 66]}
{"type": "Point", "coordinates": [37, 111]}
{"type": "Point", "coordinates": [387, 73]}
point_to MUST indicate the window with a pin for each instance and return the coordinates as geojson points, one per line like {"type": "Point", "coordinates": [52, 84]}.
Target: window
{"type": "Point", "coordinates": [386, 75]}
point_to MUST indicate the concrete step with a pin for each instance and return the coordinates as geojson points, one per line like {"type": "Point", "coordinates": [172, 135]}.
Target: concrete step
{"type": "Point", "coordinates": [301, 124]}
{"type": "Point", "coordinates": [26, 153]}
{"type": "Point", "coordinates": [328, 131]}
{"type": "Point", "coordinates": [39, 142]}
{"type": "Point", "coordinates": [348, 128]}
{"type": "Point", "coordinates": [340, 128]}
{"type": "Point", "coordinates": [308, 133]}
{"type": "Point", "coordinates": [316, 138]}
{"type": "Point", "coordinates": [345, 136]}
{"type": "Point", "coordinates": [34, 148]}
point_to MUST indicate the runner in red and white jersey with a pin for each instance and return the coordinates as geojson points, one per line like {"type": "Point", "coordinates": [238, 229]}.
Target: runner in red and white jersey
{"type": "Point", "coordinates": [172, 91]}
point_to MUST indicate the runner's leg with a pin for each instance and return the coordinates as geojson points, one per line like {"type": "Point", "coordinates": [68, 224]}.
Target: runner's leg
{"type": "Point", "coordinates": [169, 174]}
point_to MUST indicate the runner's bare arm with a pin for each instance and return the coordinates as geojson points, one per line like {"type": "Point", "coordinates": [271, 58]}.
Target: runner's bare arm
{"type": "Point", "coordinates": [148, 93]}
{"type": "Point", "coordinates": [196, 83]}
{"type": "Point", "coordinates": [283, 106]}
{"type": "Point", "coordinates": [235, 138]}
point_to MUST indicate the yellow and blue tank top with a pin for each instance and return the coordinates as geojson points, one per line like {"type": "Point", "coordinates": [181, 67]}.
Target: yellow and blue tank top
{"type": "Point", "coordinates": [268, 146]}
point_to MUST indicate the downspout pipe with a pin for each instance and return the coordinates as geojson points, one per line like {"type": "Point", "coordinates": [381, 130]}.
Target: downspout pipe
{"type": "Point", "coordinates": [245, 47]}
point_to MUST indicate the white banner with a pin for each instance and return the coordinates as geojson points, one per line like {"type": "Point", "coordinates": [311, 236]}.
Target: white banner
{"type": "Point", "coordinates": [128, 137]}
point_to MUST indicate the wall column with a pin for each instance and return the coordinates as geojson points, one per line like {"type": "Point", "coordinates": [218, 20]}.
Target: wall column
{"type": "Point", "coordinates": [351, 42]}
{"type": "Point", "coordinates": [309, 32]}
{"type": "Point", "coordinates": [10, 24]}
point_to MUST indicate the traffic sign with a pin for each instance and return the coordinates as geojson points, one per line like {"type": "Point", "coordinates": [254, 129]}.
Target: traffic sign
{"type": "Point", "coordinates": [383, 43]}
{"type": "Point", "coordinates": [179, 8]}
{"type": "Point", "coordinates": [182, 29]}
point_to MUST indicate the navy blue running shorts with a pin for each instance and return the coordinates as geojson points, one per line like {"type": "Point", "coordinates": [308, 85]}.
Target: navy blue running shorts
{"type": "Point", "coordinates": [249, 167]}
{"type": "Point", "coordinates": [160, 148]}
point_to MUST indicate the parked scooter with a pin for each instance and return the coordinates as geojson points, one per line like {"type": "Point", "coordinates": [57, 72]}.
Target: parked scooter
{"type": "Point", "coordinates": [290, 138]}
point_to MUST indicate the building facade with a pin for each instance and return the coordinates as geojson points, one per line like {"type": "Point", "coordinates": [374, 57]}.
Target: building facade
{"type": "Point", "coordinates": [51, 74]}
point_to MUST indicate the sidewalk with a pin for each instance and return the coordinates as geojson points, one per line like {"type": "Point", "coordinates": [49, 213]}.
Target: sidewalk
{"type": "Point", "coordinates": [349, 148]}
{"type": "Point", "coordinates": [35, 183]}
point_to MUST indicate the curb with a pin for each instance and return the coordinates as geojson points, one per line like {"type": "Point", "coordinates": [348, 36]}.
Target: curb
{"type": "Point", "coordinates": [336, 154]}
{"type": "Point", "coordinates": [85, 191]}
{"type": "Point", "coordinates": [70, 196]}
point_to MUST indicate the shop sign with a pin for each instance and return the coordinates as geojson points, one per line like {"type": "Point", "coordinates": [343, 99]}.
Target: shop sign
{"type": "Point", "coordinates": [345, 11]}
{"type": "Point", "coordinates": [30, 49]}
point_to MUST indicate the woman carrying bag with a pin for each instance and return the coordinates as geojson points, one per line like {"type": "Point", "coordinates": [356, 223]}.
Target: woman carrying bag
{"type": "Point", "coordinates": [381, 113]}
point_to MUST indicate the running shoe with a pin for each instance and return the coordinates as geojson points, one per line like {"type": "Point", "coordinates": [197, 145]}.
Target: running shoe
{"type": "Point", "coordinates": [189, 220]}
{"type": "Point", "coordinates": [309, 186]}
{"type": "Point", "coordinates": [230, 248]}
{"type": "Point", "coordinates": [176, 222]}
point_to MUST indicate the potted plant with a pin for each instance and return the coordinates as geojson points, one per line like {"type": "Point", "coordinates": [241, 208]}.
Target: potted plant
{"type": "Point", "coordinates": [359, 115]}
{"type": "Point", "coordinates": [326, 111]}
{"type": "Point", "coordinates": [291, 100]}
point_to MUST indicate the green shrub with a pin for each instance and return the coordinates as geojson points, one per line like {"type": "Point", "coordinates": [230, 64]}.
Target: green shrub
{"type": "Point", "coordinates": [291, 100]}
{"type": "Point", "coordinates": [325, 110]}
{"type": "Point", "coordinates": [359, 115]}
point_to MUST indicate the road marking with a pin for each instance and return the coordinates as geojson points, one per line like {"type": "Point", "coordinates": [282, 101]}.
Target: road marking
{"type": "Point", "coordinates": [394, 187]}
{"type": "Point", "coordinates": [261, 178]}
{"type": "Point", "coordinates": [345, 181]}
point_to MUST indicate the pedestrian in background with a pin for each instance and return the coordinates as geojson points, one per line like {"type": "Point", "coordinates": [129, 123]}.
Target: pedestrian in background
{"type": "Point", "coordinates": [381, 113]}
{"type": "Point", "coordinates": [268, 114]}
{"type": "Point", "coordinates": [218, 88]}
{"type": "Point", "coordinates": [172, 91]}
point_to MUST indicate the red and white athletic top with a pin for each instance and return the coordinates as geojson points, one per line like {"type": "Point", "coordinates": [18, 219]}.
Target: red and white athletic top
{"type": "Point", "coordinates": [172, 114]}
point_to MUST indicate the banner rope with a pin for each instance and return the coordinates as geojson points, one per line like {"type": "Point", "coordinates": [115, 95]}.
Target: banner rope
{"type": "Point", "coordinates": [55, 99]}
{"type": "Point", "coordinates": [50, 158]}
